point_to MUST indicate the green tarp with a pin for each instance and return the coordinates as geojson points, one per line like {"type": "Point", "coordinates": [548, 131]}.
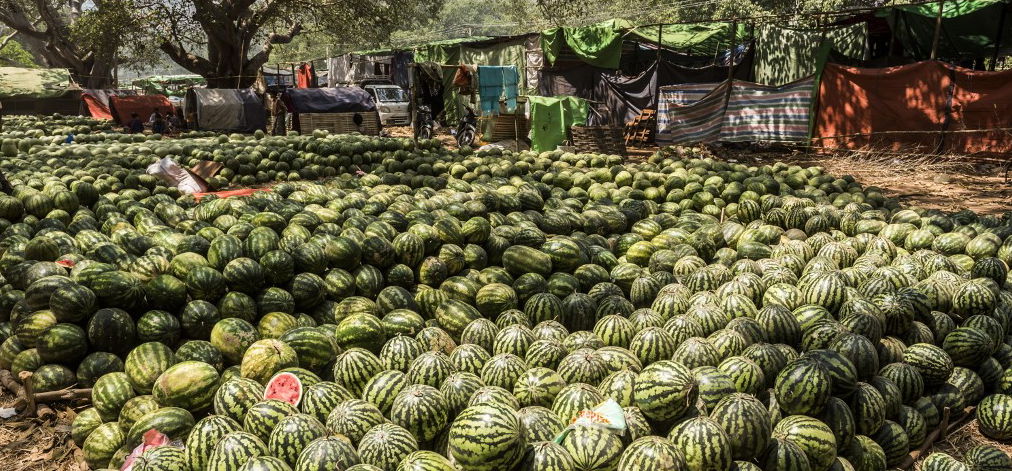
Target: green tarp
{"type": "Point", "coordinates": [697, 38]}
{"type": "Point", "coordinates": [551, 118]}
{"type": "Point", "coordinates": [969, 28]}
{"type": "Point", "coordinates": [785, 55]}
{"type": "Point", "coordinates": [18, 82]}
{"type": "Point", "coordinates": [599, 44]}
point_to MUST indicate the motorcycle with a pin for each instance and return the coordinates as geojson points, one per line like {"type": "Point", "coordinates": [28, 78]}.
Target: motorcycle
{"type": "Point", "coordinates": [467, 129]}
{"type": "Point", "coordinates": [424, 123]}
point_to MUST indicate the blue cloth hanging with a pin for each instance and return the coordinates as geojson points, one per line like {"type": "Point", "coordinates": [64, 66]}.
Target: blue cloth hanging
{"type": "Point", "coordinates": [495, 83]}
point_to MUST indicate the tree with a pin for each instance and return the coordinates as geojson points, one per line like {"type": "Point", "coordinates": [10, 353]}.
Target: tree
{"type": "Point", "coordinates": [227, 41]}
{"type": "Point", "coordinates": [84, 37]}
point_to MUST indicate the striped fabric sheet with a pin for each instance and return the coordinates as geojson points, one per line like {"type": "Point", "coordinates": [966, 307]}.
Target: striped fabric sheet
{"type": "Point", "coordinates": [690, 113]}
{"type": "Point", "coordinates": [766, 113]}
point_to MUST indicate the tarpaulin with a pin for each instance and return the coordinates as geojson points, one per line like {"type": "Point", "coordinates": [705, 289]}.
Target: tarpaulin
{"type": "Point", "coordinates": [763, 113]}
{"type": "Point", "coordinates": [969, 27]}
{"type": "Point", "coordinates": [95, 107]}
{"type": "Point", "coordinates": [223, 109]}
{"type": "Point", "coordinates": [625, 97]}
{"type": "Point", "coordinates": [305, 76]}
{"type": "Point", "coordinates": [599, 44]}
{"type": "Point", "coordinates": [854, 102]}
{"type": "Point", "coordinates": [96, 101]}
{"type": "Point", "coordinates": [144, 105]}
{"type": "Point", "coordinates": [704, 39]}
{"type": "Point", "coordinates": [18, 82]}
{"type": "Point", "coordinates": [691, 113]}
{"type": "Point", "coordinates": [497, 83]}
{"type": "Point", "coordinates": [551, 118]}
{"type": "Point", "coordinates": [784, 55]}
{"type": "Point", "coordinates": [354, 68]}
{"type": "Point", "coordinates": [328, 100]}
{"type": "Point", "coordinates": [981, 100]}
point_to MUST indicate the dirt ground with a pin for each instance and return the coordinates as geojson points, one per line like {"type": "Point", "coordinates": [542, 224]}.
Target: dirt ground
{"type": "Point", "coordinates": [38, 445]}
{"type": "Point", "coordinates": [958, 443]}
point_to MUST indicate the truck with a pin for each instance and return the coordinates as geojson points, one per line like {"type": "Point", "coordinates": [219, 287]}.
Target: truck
{"type": "Point", "coordinates": [391, 102]}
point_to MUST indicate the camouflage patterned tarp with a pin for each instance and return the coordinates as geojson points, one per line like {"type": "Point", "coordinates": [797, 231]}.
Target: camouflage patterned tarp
{"type": "Point", "coordinates": [17, 82]}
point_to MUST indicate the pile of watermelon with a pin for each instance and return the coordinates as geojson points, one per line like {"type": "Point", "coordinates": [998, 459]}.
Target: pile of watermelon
{"type": "Point", "coordinates": [400, 307]}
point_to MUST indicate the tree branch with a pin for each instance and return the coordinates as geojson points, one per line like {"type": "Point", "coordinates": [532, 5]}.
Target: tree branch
{"type": "Point", "coordinates": [260, 58]}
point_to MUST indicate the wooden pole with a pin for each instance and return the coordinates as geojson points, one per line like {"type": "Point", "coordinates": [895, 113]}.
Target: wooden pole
{"type": "Point", "coordinates": [998, 38]}
{"type": "Point", "coordinates": [730, 60]}
{"type": "Point", "coordinates": [938, 29]}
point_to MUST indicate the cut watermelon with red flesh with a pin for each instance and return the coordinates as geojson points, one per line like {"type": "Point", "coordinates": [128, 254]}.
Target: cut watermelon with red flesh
{"type": "Point", "coordinates": [284, 387]}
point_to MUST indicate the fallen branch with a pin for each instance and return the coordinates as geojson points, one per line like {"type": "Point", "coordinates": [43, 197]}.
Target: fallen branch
{"type": "Point", "coordinates": [7, 382]}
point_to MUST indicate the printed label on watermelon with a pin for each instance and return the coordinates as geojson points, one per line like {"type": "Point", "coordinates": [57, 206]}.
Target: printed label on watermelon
{"type": "Point", "coordinates": [284, 387]}
{"type": "Point", "coordinates": [607, 415]}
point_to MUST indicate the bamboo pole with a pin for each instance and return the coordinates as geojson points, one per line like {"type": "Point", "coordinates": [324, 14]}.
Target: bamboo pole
{"type": "Point", "coordinates": [938, 29]}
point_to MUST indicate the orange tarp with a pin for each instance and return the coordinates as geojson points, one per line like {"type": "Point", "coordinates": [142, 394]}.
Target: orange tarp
{"type": "Point", "coordinates": [143, 105]}
{"type": "Point", "coordinates": [95, 107]}
{"type": "Point", "coordinates": [856, 101]}
{"type": "Point", "coordinates": [912, 105]}
{"type": "Point", "coordinates": [980, 100]}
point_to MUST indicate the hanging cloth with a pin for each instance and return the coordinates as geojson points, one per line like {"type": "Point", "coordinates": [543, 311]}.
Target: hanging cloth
{"type": "Point", "coordinates": [551, 118]}
{"type": "Point", "coordinates": [305, 77]}
{"type": "Point", "coordinates": [495, 84]}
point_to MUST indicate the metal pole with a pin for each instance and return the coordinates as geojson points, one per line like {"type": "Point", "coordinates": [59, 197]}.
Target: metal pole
{"type": "Point", "coordinates": [938, 29]}
{"type": "Point", "coordinates": [998, 37]}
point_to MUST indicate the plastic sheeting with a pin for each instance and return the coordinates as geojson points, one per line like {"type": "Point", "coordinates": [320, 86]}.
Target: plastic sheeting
{"type": "Point", "coordinates": [784, 55]}
{"type": "Point", "coordinates": [551, 118]}
{"type": "Point", "coordinates": [624, 97]}
{"type": "Point", "coordinates": [144, 105]}
{"type": "Point", "coordinates": [969, 28]}
{"type": "Point", "coordinates": [328, 100]}
{"type": "Point", "coordinates": [226, 109]}
{"type": "Point", "coordinates": [914, 105]}
{"type": "Point", "coordinates": [18, 82]}
{"type": "Point", "coordinates": [705, 39]}
{"type": "Point", "coordinates": [691, 113]}
{"type": "Point", "coordinates": [854, 102]}
{"type": "Point", "coordinates": [599, 44]}
{"type": "Point", "coordinates": [763, 113]}
{"type": "Point", "coordinates": [96, 101]}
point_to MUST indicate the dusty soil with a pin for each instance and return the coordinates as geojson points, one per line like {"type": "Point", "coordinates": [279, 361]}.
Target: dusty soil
{"type": "Point", "coordinates": [38, 445]}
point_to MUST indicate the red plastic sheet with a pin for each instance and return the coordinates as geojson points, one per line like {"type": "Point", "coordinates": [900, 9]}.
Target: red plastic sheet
{"type": "Point", "coordinates": [855, 102]}
{"type": "Point", "coordinates": [980, 100]}
{"type": "Point", "coordinates": [928, 106]}
{"type": "Point", "coordinates": [305, 76]}
{"type": "Point", "coordinates": [95, 107]}
{"type": "Point", "coordinates": [144, 105]}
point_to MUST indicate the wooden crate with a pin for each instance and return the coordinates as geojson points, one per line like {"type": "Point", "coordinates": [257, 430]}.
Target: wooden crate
{"type": "Point", "coordinates": [599, 139]}
{"type": "Point", "coordinates": [505, 126]}
{"type": "Point", "coordinates": [339, 123]}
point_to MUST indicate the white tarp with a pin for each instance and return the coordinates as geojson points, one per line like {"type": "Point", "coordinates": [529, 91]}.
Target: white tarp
{"type": "Point", "coordinates": [220, 109]}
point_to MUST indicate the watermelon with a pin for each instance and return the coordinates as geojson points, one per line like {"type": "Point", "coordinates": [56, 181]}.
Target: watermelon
{"type": "Point", "coordinates": [292, 434]}
{"type": "Point", "coordinates": [386, 445]}
{"type": "Point", "coordinates": [190, 385]}
{"type": "Point", "coordinates": [486, 437]}
{"type": "Point", "coordinates": [206, 433]}
{"type": "Point", "coordinates": [327, 451]}
{"type": "Point", "coordinates": [284, 387]}
{"type": "Point", "coordinates": [266, 357]}
{"type": "Point", "coordinates": [703, 443]}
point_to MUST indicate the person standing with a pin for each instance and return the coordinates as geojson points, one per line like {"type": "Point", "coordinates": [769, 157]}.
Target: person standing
{"type": "Point", "coordinates": [157, 122]}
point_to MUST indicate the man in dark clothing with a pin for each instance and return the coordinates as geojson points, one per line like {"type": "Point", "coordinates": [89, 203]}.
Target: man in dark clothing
{"type": "Point", "coordinates": [135, 126]}
{"type": "Point", "coordinates": [157, 122]}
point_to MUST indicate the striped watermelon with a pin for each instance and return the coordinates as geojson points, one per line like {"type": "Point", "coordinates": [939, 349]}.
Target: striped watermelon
{"type": "Point", "coordinates": [786, 455]}
{"type": "Point", "coordinates": [383, 387]}
{"type": "Point", "coordinates": [262, 417]}
{"type": "Point", "coordinates": [292, 434]}
{"type": "Point", "coordinates": [592, 447]}
{"type": "Point", "coordinates": [813, 436]}
{"type": "Point", "coordinates": [235, 396]}
{"type": "Point", "coordinates": [422, 410]}
{"type": "Point", "coordinates": [994, 415]}
{"type": "Point", "coordinates": [547, 455]}
{"type": "Point", "coordinates": [803, 387]}
{"type": "Point", "coordinates": [746, 422]}
{"type": "Point", "coordinates": [538, 387]}
{"type": "Point", "coordinates": [190, 385]}
{"type": "Point", "coordinates": [204, 436]}
{"type": "Point", "coordinates": [486, 437]}
{"type": "Point", "coordinates": [703, 442]}
{"type": "Point", "coordinates": [328, 451]}
{"type": "Point", "coordinates": [385, 445]}
{"type": "Point", "coordinates": [234, 450]}
{"type": "Point", "coordinates": [353, 418]}
{"type": "Point", "coordinates": [651, 453]}
{"type": "Point", "coordinates": [932, 362]}
{"type": "Point", "coordinates": [110, 393]}
{"type": "Point", "coordinates": [539, 424]}
{"type": "Point", "coordinates": [664, 390]}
